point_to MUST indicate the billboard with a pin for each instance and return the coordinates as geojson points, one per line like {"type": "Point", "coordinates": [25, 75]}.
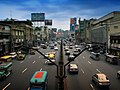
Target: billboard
{"type": "Point", "coordinates": [73, 20]}
{"type": "Point", "coordinates": [48, 22]}
{"type": "Point", "coordinates": [37, 17]}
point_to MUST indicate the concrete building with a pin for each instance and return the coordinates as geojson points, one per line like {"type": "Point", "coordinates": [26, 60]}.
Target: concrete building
{"type": "Point", "coordinates": [104, 27]}
{"type": "Point", "coordinates": [18, 33]}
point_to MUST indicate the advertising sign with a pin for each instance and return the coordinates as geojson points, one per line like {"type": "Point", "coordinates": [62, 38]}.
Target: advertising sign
{"type": "Point", "coordinates": [37, 17]}
{"type": "Point", "coordinates": [73, 20]}
{"type": "Point", "coordinates": [48, 22]}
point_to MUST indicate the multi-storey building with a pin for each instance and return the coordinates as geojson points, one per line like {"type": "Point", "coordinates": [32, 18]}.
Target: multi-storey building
{"type": "Point", "coordinates": [104, 27]}
{"type": "Point", "coordinates": [18, 33]}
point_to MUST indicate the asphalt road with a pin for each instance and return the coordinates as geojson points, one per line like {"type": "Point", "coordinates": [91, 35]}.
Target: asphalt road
{"type": "Point", "coordinates": [23, 71]}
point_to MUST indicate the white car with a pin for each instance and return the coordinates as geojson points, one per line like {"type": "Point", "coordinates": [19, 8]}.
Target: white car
{"type": "Point", "coordinates": [71, 57]}
{"type": "Point", "coordinates": [50, 63]}
{"type": "Point", "coordinates": [101, 79]}
{"type": "Point", "coordinates": [67, 52]}
{"type": "Point", "coordinates": [73, 68]}
{"type": "Point", "coordinates": [56, 48]}
{"type": "Point", "coordinates": [13, 55]}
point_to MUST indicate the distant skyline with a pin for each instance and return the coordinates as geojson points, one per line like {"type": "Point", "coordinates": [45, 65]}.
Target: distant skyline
{"type": "Point", "coordinates": [60, 11]}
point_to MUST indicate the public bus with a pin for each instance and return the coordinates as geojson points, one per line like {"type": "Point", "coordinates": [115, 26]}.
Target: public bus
{"type": "Point", "coordinates": [5, 69]}
{"type": "Point", "coordinates": [39, 80]}
{"type": "Point", "coordinates": [6, 58]}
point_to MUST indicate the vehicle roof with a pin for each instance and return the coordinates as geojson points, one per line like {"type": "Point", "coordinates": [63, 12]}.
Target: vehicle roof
{"type": "Point", "coordinates": [5, 57]}
{"type": "Point", "coordinates": [39, 76]}
{"type": "Point", "coordinates": [73, 66]}
{"type": "Point", "coordinates": [112, 56]}
{"type": "Point", "coordinates": [101, 76]}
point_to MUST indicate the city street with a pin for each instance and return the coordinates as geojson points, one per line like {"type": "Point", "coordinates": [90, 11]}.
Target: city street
{"type": "Point", "coordinates": [23, 71]}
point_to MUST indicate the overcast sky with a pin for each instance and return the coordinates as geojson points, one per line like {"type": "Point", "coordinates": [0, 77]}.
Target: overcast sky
{"type": "Point", "coordinates": [60, 11]}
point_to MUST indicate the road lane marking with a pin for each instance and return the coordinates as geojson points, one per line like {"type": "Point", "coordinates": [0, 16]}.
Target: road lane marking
{"type": "Point", "coordinates": [41, 69]}
{"type": "Point", "coordinates": [98, 70]}
{"type": "Point", "coordinates": [21, 62]}
{"type": "Point", "coordinates": [6, 86]}
{"type": "Point", "coordinates": [92, 87]}
{"type": "Point", "coordinates": [45, 61]}
{"type": "Point", "coordinates": [24, 70]}
{"type": "Point", "coordinates": [89, 62]}
{"type": "Point", "coordinates": [82, 70]}
{"type": "Point", "coordinates": [34, 62]}
{"type": "Point", "coordinates": [83, 57]}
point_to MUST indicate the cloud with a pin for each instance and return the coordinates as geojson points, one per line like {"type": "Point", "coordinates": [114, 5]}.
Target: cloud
{"type": "Point", "coordinates": [58, 10]}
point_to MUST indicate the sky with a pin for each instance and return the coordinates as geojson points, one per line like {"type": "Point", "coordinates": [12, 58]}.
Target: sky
{"type": "Point", "coordinates": [60, 11]}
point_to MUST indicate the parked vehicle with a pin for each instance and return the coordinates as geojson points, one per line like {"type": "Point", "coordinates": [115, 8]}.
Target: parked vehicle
{"type": "Point", "coordinates": [112, 59]}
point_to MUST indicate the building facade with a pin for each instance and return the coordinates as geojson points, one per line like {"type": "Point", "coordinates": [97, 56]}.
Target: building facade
{"type": "Point", "coordinates": [18, 33]}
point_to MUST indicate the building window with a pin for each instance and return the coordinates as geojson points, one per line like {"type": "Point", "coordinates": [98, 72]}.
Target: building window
{"type": "Point", "coordinates": [115, 27]}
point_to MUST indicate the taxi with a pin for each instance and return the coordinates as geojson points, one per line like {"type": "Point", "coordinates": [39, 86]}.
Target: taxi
{"type": "Point", "coordinates": [20, 56]}
{"type": "Point", "coordinates": [6, 58]}
{"type": "Point", "coordinates": [51, 55]}
{"type": "Point", "coordinates": [100, 79]}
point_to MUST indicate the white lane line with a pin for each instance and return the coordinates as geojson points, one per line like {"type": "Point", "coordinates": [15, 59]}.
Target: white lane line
{"type": "Point", "coordinates": [41, 69]}
{"type": "Point", "coordinates": [24, 70]}
{"type": "Point", "coordinates": [45, 61]}
{"type": "Point", "coordinates": [34, 62]}
{"type": "Point", "coordinates": [39, 56]}
{"type": "Point", "coordinates": [83, 57]}
{"type": "Point", "coordinates": [92, 87]}
{"type": "Point", "coordinates": [82, 71]}
{"type": "Point", "coordinates": [98, 70]}
{"type": "Point", "coordinates": [89, 62]}
{"type": "Point", "coordinates": [21, 62]}
{"type": "Point", "coordinates": [6, 86]}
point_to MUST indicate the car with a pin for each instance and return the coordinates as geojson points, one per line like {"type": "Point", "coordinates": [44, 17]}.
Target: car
{"type": "Point", "coordinates": [20, 56]}
{"type": "Point", "coordinates": [44, 47]}
{"type": "Point", "coordinates": [71, 57]}
{"type": "Point", "coordinates": [50, 63]}
{"type": "Point", "coordinates": [13, 55]}
{"type": "Point", "coordinates": [100, 79]}
{"type": "Point", "coordinates": [70, 47]}
{"type": "Point", "coordinates": [51, 55]}
{"type": "Point", "coordinates": [118, 74]}
{"type": "Point", "coordinates": [95, 56]}
{"type": "Point", "coordinates": [46, 55]}
{"type": "Point", "coordinates": [66, 48]}
{"type": "Point", "coordinates": [75, 53]}
{"type": "Point", "coordinates": [55, 48]}
{"type": "Point", "coordinates": [78, 49]}
{"type": "Point", "coordinates": [67, 52]}
{"type": "Point", "coordinates": [73, 68]}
